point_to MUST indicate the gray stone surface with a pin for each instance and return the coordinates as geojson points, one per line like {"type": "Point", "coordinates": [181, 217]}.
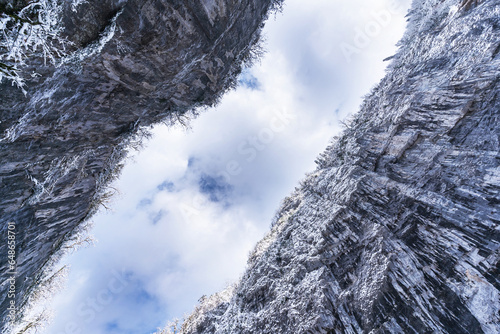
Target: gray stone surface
{"type": "Point", "coordinates": [131, 64]}
{"type": "Point", "coordinates": [397, 231]}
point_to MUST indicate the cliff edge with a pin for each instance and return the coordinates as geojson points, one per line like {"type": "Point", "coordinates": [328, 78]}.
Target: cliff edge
{"type": "Point", "coordinates": [128, 65]}
{"type": "Point", "coordinates": [397, 231]}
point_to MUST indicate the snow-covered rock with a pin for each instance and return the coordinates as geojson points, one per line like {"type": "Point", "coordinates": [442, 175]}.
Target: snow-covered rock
{"type": "Point", "coordinates": [397, 231]}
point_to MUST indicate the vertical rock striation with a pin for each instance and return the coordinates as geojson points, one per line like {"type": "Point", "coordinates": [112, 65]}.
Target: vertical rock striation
{"type": "Point", "coordinates": [130, 64]}
{"type": "Point", "coordinates": [397, 231]}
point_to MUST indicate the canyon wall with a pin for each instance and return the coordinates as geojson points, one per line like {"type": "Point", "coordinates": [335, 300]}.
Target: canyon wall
{"type": "Point", "coordinates": [128, 65]}
{"type": "Point", "coordinates": [397, 231]}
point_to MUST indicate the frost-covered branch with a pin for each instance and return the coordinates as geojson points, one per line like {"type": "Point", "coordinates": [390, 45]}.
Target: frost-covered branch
{"type": "Point", "coordinates": [31, 30]}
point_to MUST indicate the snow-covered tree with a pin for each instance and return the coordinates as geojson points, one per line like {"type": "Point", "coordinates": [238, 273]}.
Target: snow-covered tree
{"type": "Point", "coordinates": [28, 29]}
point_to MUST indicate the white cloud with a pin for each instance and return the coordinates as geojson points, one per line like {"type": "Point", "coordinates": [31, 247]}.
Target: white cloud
{"type": "Point", "coordinates": [176, 244]}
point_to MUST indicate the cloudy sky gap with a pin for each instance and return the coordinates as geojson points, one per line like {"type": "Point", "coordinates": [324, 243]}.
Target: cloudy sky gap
{"type": "Point", "coordinates": [192, 204]}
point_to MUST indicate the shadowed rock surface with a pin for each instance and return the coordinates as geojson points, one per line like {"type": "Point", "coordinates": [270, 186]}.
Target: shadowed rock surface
{"type": "Point", "coordinates": [397, 231]}
{"type": "Point", "coordinates": [132, 64]}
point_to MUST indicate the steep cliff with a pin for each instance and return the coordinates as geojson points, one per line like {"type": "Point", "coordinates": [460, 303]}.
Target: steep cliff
{"type": "Point", "coordinates": [397, 231]}
{"type": "Point", "coordinates": [129, 64]}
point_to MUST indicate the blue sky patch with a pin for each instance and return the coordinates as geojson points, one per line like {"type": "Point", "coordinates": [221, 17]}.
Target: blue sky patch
{"type": "Point", "coordinates": [167, 185]}
{"type": "Point", "coordinates": [143, 297]}
{"type": "Point", "coordinates": [157, 216]}
{"type": "Point", "coordinates": [112, 326]}
{"type": "Point", "coordinates": [192, 161]}
{"type": "Point", "coordinates": [215, 187]}
{"type": "Point", "coordinates": [144, 202]}
{"type": "Point", "coordinates": [248, 80]}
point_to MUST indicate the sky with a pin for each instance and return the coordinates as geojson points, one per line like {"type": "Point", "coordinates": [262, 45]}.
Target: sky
{"type": "Point", "coordinates": [194, 201]}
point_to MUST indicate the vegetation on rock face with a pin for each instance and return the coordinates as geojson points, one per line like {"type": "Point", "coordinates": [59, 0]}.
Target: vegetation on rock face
{"type": "Point", "coordinates": [28, 29]}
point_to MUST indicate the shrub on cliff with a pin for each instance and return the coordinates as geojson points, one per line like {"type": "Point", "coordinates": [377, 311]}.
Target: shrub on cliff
{"type": "Point", "coordinates": [28, 29]}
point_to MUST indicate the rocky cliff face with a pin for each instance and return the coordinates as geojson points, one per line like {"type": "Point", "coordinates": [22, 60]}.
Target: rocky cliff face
{"type": "Point", "coordinates": [130, 64]}
{"type": "Point", "coordinates": [397, 231]}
